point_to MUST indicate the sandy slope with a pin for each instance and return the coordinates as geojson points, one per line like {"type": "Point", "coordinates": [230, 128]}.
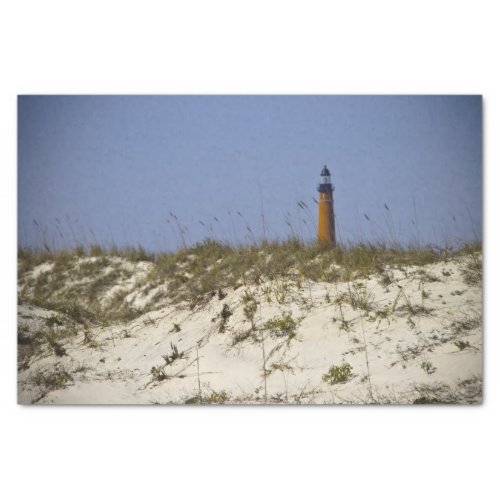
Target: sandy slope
{"type": "Point", "coordinates": [410, 328]}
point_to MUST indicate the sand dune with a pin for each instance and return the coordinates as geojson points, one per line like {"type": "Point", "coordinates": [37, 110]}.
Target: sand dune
{"type": "Point", "coordinates": [413, 336]}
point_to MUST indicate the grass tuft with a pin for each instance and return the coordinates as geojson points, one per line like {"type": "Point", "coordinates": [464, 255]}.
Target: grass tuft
{"type": "Point", "coordinates": [281, 326]}
{"type": "Point", "coordinates": [338, 374]}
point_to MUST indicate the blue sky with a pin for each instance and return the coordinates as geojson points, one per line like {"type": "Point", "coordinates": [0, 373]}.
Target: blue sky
{"type": "Point", "coordinates": [112, 169]}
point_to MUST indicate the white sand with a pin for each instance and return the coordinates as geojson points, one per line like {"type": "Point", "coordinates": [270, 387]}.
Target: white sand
{"type": "Point", "coordinates": [117, 368]}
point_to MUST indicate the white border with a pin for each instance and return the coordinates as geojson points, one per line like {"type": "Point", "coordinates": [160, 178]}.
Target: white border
{"type": "Point", "coordinates": [258, 47]}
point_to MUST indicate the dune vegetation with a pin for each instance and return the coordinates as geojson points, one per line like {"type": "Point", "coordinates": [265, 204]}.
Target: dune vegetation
{"type": "Point", "coordinates": [269, 322]}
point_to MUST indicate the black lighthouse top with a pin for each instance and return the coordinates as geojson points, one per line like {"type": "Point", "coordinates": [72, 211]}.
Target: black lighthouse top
{"type": "Point", "coordinates": [325, 185]}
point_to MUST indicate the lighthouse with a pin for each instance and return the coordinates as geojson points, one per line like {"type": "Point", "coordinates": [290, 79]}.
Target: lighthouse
{"type": "Point", "coordinates": [326, 218]}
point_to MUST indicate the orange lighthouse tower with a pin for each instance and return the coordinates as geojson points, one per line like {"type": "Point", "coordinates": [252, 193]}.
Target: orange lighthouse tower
{"type": "Point", "coordinates": [326, 217]}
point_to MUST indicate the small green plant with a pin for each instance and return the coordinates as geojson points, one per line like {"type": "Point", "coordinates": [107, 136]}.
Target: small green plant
{"type": "Point", "coordinates": [81, 368]}
{"type": "Point", "coordinates": [473, 271]}
{"type": "Point", "coordinates": [51, 337]}
{"type": "Point", "coordinates": [225, 314]}
{"type": "Point", "coordinates": [462, 345]}
{"type": "Point", "coordinates": [281, 291]}
{"type": "Point", "coordinates": [427, 367]}
{"type": "Point", "coordinates": [281, 327]}
{"type": "Point", "coordinates": [53, 321]}
{"type": "Point", "coordinates": [249, 307]}
{"type": "Point", "coordinates": [50, 381]}
{"type": "Point", "coordinates": [175, 354]}
{"type": "Point", "coordinates": [158, 373]}
{"type": "Point", "coordinates": [266, 290]}
{"type": "Point", "coordinates": [215, 398]}
{"type": "Point", "coordinates": [360, 297]}
{"type": "Point", "coordinates": [339, 300]}
{"type": "Point", "coordinates": [338, 374]}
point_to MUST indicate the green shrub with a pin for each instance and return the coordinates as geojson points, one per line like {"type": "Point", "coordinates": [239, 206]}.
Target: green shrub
{"type": "Point", "coordinates": [50, 381]}
{"type": "Point", "coordinates": [427, 367]}
{"type": "Point", "coordinates": [338, 374]}
{"type": "Point", "coordinates": [473, 270]}
{"type": "Point", "coordinates": [249, 307]}
{"type": "Point", "coordinates": [461, 345]}
{"type": "Point", "coordinates": [225, 314]}
{"type": "Point", "coordinates": [158, 373]}
{"type": "Point", "coordinates": [360, 297]}
{"type": "Point", "coordinates": [281, 327]}
{"type": "Point", "coordinates": [215, 398]}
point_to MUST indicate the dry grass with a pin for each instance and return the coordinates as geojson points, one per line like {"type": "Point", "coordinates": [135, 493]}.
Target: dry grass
{"type": "Point", "coordinates": [467, 391]}
{"type": "Point", "coordinates": [76, 286]}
